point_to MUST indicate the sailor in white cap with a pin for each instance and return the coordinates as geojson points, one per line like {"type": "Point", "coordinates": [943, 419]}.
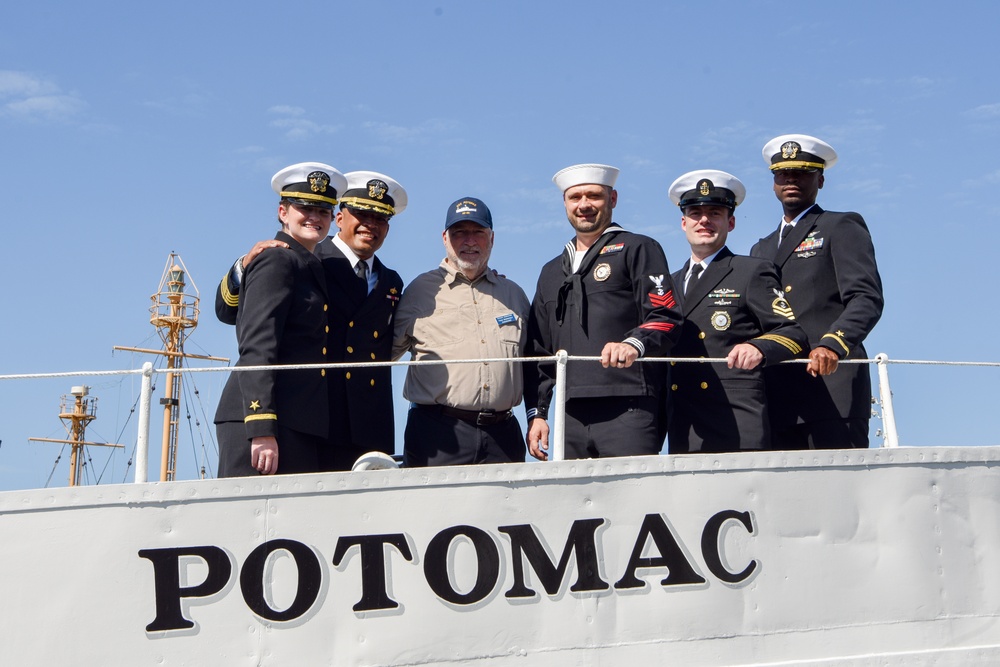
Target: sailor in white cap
{"type": "Point", "coordinates": [273, 421]}
{"type": "Point", "coordinates": [609, 294]}
{"type": "Point", "coordinates": [733, 308]}
{"type": "Point", "coordinates": [826, 263]}
{"type": "Point", "coordinates": [363, 298]}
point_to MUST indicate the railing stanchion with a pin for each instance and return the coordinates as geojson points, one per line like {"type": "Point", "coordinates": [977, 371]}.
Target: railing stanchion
{"type": "Point", "coordinates": [558, 444]}
{"type": "Point", "coordinates": [890, 435]}
{"type": "Point", "coordinates": [142, 441]}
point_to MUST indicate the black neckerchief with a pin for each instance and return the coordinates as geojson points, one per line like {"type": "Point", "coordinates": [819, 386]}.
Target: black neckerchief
{"type": "Point", "coordinates": [571, 291]}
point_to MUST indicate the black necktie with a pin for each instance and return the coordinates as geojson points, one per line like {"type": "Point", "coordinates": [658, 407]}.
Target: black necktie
{"type": "Point", "coordinates": [362, 270]}
{"type": "Point", "coordinates": [695, 272]}
{"type": "Point", "coordinates": [785, 231]}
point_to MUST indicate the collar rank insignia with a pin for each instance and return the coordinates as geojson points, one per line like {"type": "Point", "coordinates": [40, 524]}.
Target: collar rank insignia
{"type": "Point", "coordinates": [318, 181]}
{"type": "Point", "coordinates": [790, 150]}
{"type": "Point", "coordinates": [608, 249]}
{"type": "Point", "coordinates": [377, 189]}
{"type": "Point", "coordinates": [780, 306]}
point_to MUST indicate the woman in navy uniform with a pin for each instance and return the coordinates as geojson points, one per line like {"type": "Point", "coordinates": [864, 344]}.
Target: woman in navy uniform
{"type": "Point", "coordinates": [733, 308]}
{"type": "Point", "coordinates": [277, 421]}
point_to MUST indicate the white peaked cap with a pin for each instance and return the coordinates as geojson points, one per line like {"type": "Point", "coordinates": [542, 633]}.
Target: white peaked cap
{"type": "Point", "coordinates": [580, 174]}
{"type": "Point", "coordinates": [707, 187]}
{"type": "Point", "coordinates": [798, 151]}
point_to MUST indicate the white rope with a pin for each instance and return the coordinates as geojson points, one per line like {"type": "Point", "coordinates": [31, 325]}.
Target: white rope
{"type": "Point", "coordinates": [439, 362]}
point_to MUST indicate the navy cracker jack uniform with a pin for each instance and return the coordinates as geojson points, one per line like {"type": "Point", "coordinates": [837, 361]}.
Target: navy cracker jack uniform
{"type": "Point", "coordinates": [621, 292]}
{"type": "Point", "coordinates": [361, 326]}
{"type": "Point", "coordinates": [713, 408]}
{"type": "Point", "coordinates": [282, 321]}
{"type": "Point", "coordinates": [827, 267]}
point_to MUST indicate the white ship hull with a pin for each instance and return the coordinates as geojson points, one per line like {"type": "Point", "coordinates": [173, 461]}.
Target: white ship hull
{"type": "Point", "coordinates": [874, 557]}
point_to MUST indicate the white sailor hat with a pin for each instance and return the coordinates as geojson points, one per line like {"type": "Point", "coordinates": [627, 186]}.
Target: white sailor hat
{"type": "Point", "coordinates": [580, 174]}
{"type": "Point", "coordinates": [310, 184]}
{"type": "Point", "coordinates": [798, 151]}
{"type": "Point", "coordinates": [372, 191]}
{"type": "Point", "coordinates": [707, 187]}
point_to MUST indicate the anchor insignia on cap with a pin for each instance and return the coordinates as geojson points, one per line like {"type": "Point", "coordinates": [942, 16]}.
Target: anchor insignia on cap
{"type": "Point", "coordinates": [318, 181]}
{"type": "Point", "coordinates": [790, 150]}
{"type": "Point", "coordinates": [377, 189]}
{"type": "Point", "coordinates": [705, 187]}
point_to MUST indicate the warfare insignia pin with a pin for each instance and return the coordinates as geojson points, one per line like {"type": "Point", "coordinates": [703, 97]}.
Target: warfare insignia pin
{"type": "Point", "coordinates": [318, 181]}
{"type": "Point", "coordinates": [602, 272]}
{"type": "Point", "coordinates": [780, 306]}
{"type": "Point", "coordinates": [790, 150]}
{"type": "Point", "coordinates": [721, 320]}
{"type": "Point", "coordinates": [377, 189]}
{"type": "Point", "coordinates": [704, 187]}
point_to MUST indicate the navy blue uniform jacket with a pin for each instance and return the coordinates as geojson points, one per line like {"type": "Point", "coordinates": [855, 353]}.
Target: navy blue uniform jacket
{"type": "Point", "coordinates": [713, 408]}
{"type": "Point", "coordinates": [827, 267]}
{"type": "Point", "coordinates": [282, 321]}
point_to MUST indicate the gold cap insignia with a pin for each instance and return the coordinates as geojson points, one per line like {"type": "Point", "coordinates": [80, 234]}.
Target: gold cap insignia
{"type": "Point", "coordinates": [705, 187]}
{"type": "Point", "coordinates": [790, 150]}
{"type": "Point", "coordinates": [318, 181]}
{"type": "Point", "coordinates": [377, 189]}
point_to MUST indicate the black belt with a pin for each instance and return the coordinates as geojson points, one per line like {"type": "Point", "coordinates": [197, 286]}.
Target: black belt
{"type": "Point", "coordinates": [474, 417]}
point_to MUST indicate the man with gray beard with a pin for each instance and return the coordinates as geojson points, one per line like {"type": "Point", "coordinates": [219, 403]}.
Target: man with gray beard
{"type": "Point", "coordinates": [462, 413]}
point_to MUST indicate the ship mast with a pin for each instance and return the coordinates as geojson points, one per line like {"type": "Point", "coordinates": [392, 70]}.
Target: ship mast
{"type": "Point", "coordinates": [76, 418]}
{"type": "Point", "coordinates": [174, 313]}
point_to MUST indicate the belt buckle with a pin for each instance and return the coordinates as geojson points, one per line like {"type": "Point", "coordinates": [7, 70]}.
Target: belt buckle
{"type": "Point", "coordinates": [489, 414]}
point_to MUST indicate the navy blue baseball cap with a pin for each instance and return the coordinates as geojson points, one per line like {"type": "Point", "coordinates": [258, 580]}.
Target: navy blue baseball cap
{"type": "Point", "coordinates": [471, 209]}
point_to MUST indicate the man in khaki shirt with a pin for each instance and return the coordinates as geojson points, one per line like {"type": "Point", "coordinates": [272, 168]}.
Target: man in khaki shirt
{"type": "Point", "coordinates": [462, 413]}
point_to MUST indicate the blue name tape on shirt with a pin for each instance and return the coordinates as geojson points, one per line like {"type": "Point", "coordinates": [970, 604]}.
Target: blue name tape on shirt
{"type": "Point", "coordinates": [509, 318]}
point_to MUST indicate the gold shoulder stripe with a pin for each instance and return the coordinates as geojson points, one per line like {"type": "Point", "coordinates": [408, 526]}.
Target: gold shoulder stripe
{"type": "Point", "coordinates": [839, 340]}
{"type": "Point", "coordinates": [230, 299]}
{"type": "Point", "coordinates": [263, 416]}
{"type": "Point", "coordinates": [784, 341]}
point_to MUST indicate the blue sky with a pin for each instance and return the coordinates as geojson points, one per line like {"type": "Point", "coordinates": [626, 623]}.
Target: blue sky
{"type": "Point", "coordinates": [133, 130]}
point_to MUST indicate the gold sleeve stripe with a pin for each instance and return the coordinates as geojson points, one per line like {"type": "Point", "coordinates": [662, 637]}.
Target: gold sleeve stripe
{"type": "Point", "coordinates": [368, 205]}
{"type": "Point", "coordinates": [839, 340]}
{"type": "Point", "coordinates": [228, 297]}
{"type": "Point", "coordinates": [784, 341]}
{"type": "Point", "coordinates": [260, 417]}
{"type": "Point", "coordinates": [308, 196]}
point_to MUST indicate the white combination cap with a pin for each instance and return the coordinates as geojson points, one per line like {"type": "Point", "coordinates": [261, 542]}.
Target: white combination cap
{"type": "Point", "coordinates": [310, 184]}
{"type": "Point", "coordinates": [580, 174]}
{"type": "Point", "coordinates": [707, 187]}
{"type": "Point", "coordinates": [372, 191]}
{"type": "Point", "coordinates": [798, 151]}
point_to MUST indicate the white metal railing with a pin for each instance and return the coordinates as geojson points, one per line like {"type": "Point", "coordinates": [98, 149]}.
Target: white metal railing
{"type": "Point", "coordinates": [557, 411]}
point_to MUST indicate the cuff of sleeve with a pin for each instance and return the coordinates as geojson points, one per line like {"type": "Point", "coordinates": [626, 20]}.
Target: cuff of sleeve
{"type": "Point", "coordinates": [835, 343]}
{"type": "Point", "coordinates": [636, 343]}
{"type": "Point", "coordinates": [236, 273]}
{"type": "Point", "coordinates": [540, 413]}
